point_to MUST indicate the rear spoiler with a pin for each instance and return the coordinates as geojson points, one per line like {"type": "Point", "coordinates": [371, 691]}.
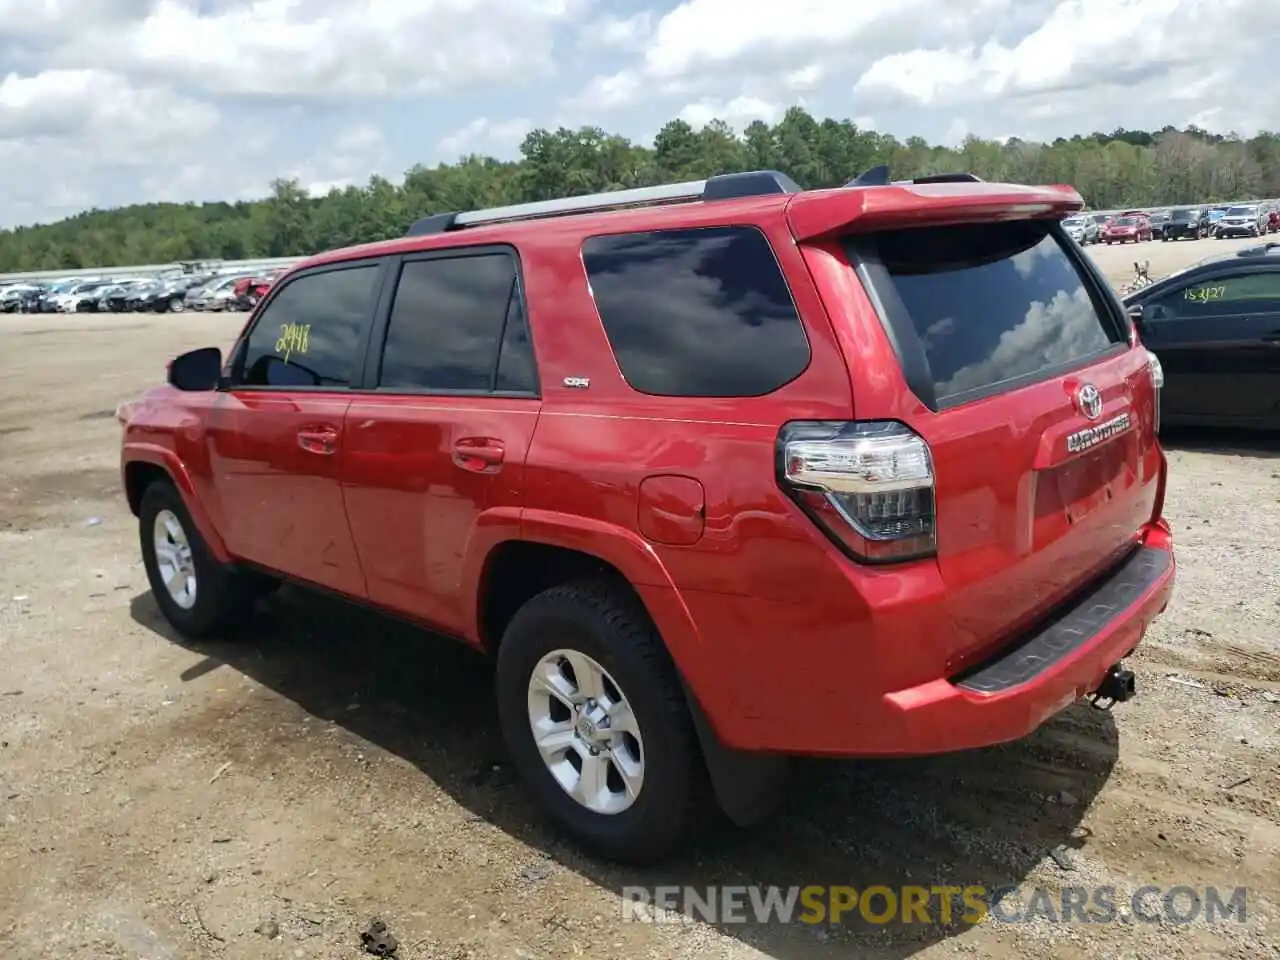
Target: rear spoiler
{"type": "Point", "coordinates": [821, 213]}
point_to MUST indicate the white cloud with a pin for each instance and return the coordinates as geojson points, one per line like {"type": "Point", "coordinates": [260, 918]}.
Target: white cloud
{"type": "Point", "coordinates": [737, 112]}
{"type": "Point", "coordinates": [806, 79]}
{"type": "Point", "coordinates": [194, 96]}
{"type": "Point", "coordinates": [605, 92]}
{"type": "Point", "coordinates": [699, 35]}
{"type": "Point", "coordinates": [58, 103]}
{"type": "Point", "coordinates": [1161, 53]}
{"type": "Point", "coordinates": [310, 49]}
{"type": "Point", "coordinates": [105, 102]}
{"type": "Point", "coordinates": [619, 33]}
{"type": "Point", "coordinates": [481, 135]}
{"type": "Point", "coordinates": [756, 42]}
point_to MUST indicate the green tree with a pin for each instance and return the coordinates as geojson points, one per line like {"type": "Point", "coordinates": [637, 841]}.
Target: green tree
{"type": "Point", "coordinates": [1118, 169]}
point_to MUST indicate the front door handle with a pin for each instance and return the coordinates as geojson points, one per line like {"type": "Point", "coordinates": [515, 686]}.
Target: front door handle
{"type": "Point", "coordinates": [321, 440]}
{"type": "Point", "coordinates": [1272, 338]}
{"type": "Point", "coordinates": [479, 454]}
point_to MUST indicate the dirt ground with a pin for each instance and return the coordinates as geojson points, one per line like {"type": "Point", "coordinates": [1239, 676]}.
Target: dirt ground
{"type": "Point", "coordinates": [265, 799]}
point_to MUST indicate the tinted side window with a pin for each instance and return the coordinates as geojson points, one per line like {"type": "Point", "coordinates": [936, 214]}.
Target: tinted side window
{"type": "Point", "coordinates": [310, 332]}
{"type": "Point", "coordinates": [516, 370]}
{"type": "Point", "coordinates": [1219, 296]}
{"type": "Point", "coordinates": [697, 313]}
{"type": "Point", "coordinates": [456, 324]}
{"type": "Point", "coordinates": [993, 302]}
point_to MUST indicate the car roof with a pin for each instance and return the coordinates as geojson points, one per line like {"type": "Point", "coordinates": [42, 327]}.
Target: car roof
{"type": "Point", "coordinates": [1271, 249]}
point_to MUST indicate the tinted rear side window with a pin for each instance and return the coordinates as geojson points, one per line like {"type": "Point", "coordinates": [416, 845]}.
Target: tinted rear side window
{"type": "Point", "coordinates": [993, 303]}
{"type": "Point", "coordinates": [697, 313]}
{"type": "Point", "coordinates": [457, 324]}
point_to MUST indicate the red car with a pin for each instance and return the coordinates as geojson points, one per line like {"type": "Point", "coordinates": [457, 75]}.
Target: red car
{"type": "Point", "coordinates": [718, 473]}
{"type": "Point", "coordinates": [1126, 229]}
{"type": "Point", "coordinates": [249, 290]}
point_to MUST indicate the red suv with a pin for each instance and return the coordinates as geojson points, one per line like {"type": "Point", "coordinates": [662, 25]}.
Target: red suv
{"type": "Point", "coordinates": [1126, 228]}
{"type": "Point", "coordinates": [718, 472]}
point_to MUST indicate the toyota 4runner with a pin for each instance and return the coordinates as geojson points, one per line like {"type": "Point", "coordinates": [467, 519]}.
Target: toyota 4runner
{"type": "Point", "coordinates": [718, 472]}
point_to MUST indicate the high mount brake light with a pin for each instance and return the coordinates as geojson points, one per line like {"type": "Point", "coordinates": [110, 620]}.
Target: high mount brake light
{"type": "Point", "coordinates": [867, 485]}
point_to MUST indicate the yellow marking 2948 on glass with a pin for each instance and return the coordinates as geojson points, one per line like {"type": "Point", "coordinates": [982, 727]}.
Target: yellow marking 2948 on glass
{"type": "Point", "coordinates": [294, 338]}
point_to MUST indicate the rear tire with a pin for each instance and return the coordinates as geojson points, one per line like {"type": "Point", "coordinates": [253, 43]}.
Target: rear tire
{"type": "Point", "coordinates": [602, 632]}
{"type": "Point", "coordinates": [199, 596]}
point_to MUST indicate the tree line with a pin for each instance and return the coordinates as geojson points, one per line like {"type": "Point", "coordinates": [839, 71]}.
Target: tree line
{"type": "Point", "coordinates": [1122, 168]}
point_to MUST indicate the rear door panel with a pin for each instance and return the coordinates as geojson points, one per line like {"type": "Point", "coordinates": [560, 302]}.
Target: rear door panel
{"type": "Point", "coordinates": [1024, 522]}
{"type": "Point", "coordinates": [1025, 517]}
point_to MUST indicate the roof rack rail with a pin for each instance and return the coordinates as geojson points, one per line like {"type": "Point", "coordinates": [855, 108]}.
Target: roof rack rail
{"type": "Point", "coordinates": [879, 177]}
{"type": "Point", "coordinates": [725, 186]}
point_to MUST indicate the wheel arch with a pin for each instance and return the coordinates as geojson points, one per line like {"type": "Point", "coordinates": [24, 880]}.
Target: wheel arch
{"type": "Point", "coordinates": [145, 464]}
{"type": "Point", "coordinates": [551, 551]}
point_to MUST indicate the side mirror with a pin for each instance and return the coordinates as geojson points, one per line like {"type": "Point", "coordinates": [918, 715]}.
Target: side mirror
{"type": "Point", "coordinates": [197, 370]}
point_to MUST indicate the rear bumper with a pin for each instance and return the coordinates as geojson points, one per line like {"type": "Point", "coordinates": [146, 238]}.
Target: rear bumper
{"type": "Point", "coordinates": [1011, 695]}
{"type": "Point", "coordinates": [830, 698]}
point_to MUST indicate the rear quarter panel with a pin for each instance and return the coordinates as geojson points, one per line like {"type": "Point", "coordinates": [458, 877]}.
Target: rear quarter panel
{"type": "Point", "coordinates": [593, 447]}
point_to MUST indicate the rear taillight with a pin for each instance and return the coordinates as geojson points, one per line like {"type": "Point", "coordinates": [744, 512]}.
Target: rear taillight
{"type": "Point", "coordinates": [868, 486]}
{"type": "Point", "coordinates": [1157, 384]}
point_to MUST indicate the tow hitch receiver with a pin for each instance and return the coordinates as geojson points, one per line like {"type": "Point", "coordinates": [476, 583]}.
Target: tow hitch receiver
{"type": "Point", "coordinates": [1117, 686]}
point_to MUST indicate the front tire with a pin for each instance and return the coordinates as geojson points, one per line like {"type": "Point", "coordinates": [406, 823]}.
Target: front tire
{"type": "Point", "coordinates": [580, 669]}
{"type": "Point", "coordinates": [199, 596]}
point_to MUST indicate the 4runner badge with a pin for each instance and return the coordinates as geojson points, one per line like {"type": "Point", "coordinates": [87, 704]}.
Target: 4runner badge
{"type": "Point", "coordinates": [1092, 436]}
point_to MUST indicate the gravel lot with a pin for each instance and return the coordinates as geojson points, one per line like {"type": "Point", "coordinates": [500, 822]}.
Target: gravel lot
{"type": "Point", "coordinates": [267, 798]}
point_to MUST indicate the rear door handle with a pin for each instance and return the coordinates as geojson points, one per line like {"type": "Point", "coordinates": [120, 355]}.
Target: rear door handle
{"type": "Point", "coordinates": [321, 440]}
{"type": "Point", "coordinates": [478, 454]}
{"type": "Point", "coordinates": [1273, 337]}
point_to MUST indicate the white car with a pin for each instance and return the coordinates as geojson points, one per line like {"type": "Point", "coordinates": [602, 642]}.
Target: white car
{"type": "Point", "coordinates": [214, 296]}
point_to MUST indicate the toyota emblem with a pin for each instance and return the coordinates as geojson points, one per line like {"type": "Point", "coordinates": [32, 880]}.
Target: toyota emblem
{"type": "Point", "coordinates": [1089, 400]}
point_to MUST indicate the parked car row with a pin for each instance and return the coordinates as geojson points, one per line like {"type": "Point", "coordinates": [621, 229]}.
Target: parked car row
{"type": "Point", "coordinates": [1176, 223]}
{"type": "Point", "coordinates": [212, 292]}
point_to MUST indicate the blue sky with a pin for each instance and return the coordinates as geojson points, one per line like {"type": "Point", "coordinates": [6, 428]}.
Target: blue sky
{"type": "Point", "coordinates": [105, 102]}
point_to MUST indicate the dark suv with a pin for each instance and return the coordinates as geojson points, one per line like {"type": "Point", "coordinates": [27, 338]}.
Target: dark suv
{"type": "Point", "coordinates": [718, 472]}
{"type": "Point", "coordinates": [1186, 223]}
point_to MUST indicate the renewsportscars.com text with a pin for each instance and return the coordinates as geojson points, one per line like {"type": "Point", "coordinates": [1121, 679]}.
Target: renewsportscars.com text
{"type": "Point", "coordinates": [939, 904]}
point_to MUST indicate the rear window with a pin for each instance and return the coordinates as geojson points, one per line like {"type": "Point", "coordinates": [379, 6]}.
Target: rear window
{"type": "Point", "coordinates": [993, 303]}
{"type": "Point", "coordinates": [697, 313]}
